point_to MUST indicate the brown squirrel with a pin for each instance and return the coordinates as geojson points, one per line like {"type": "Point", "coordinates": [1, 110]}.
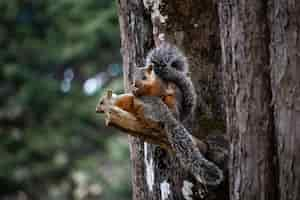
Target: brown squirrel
{"type": "Point", "coordinates": [166, 76]}
{"type": "Point", "coordinates": [169, 98]}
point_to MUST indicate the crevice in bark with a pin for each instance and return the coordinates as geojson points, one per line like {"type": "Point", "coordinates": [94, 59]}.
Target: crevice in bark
{"type": "Point", "coordinates": [274, 144]}
{"type": "Point", "coordinates": [272, 136]}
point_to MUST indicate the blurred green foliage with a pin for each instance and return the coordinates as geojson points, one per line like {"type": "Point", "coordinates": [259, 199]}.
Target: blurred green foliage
{"type": "Point", "coordinates": [56, 59]}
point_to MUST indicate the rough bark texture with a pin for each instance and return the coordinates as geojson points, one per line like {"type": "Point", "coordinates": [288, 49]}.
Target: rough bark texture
{"type": "Point", "coordinates": [245, 40]}
{"type": "Point", "coordinates": [133, 20]}
{"type": "Point", "coordinates": [260, 72]}
{"type": "Point", "coordinates": [285, 75]}
{"type": "Point", "coordinates": [192, 26]}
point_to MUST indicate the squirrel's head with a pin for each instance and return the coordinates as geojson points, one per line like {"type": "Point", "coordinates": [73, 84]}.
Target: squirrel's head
{"type": "Point", "coordinates": [146, 82]}
{"type": "Point", "coordinates": [103, 101]}
{"type": "Point", "coordinates": [144, 74]}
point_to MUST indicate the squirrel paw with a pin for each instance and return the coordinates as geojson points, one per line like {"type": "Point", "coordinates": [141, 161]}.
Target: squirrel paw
{"type": "Point", "coordinates": [136, 88]}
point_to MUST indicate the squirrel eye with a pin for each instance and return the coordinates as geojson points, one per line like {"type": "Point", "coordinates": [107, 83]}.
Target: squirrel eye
{"type": "Point", "coordinates": [149, 69]}
{"type": "Point", "coordinates": [144, 77]}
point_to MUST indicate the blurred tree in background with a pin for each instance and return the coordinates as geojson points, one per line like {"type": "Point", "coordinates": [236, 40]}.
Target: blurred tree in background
{"type": "Point", "coordinates": [56, 58]}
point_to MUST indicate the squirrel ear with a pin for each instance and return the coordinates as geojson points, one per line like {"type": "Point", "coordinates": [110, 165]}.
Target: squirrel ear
{"type": "Point", "coordinates": [109, 94]}
{"type": "Point", "coordinates": [149, 68]}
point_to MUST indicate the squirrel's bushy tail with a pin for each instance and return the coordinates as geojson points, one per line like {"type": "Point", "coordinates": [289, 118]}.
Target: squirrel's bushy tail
{"type": "Point", "coordinates": [187, 89]}
{"type": "Point", "coordinates": [189, 155]}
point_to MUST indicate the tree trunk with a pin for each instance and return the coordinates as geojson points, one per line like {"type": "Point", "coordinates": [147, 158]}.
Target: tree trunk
{"type": "Point", "coordinates": [244, 42]}
{"type": "Point", "coordinates": [193, 27]}
{"type": "Point", "coordinates": [285, 75]}
{"type": "Point", "coordinates": [260, 53]}
{"type": "Point", "coordinates": [136, 36]}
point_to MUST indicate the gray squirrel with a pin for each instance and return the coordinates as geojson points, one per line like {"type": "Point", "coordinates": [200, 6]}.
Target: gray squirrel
{"type": "Point", "coordinates": [170, 99]}
{"type": "Point", "coordinates": [166, 75]}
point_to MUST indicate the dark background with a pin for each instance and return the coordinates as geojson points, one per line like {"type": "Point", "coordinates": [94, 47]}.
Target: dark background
{"type": "Point", "coordinates": [56, 59]}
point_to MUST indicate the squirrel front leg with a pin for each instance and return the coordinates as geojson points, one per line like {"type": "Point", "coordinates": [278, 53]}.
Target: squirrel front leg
{"type": "Point", "coordinates": [124, 102]}
{"type": "Point", "coordinates": [127, 102]}
{"type": "Point", "coordinates": [148, 84]}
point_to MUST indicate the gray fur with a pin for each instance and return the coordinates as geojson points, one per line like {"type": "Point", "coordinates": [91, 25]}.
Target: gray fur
{"type": "Point", "coordinates": [171, 65]}
{"type": "Point", "coordinates": [167, 55]}
{"type": "Point", "coordinates": [182, 143]}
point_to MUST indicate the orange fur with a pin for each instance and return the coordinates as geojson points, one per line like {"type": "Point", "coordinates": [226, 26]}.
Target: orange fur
{"type": "Point", "coordinates": [151, 86]}
{"type": "Point", "coordinates": [154, 86]}
{"type": "Point", "coordinates": [125, 102]}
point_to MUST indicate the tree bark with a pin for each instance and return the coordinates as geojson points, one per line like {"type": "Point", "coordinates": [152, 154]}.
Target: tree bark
{"type": "Point", "coordinates": [260, 52]}
{"type": "Point", "coordinates": [285, 76]}
{"type": "Point", "coordinates": [245, 40]}
{"type": "Point", "coordinates": [193, 27]}
{"type": "Point", "coordinates": [260, 58]}
{"type": "Point", "coordinates": [136, 40]}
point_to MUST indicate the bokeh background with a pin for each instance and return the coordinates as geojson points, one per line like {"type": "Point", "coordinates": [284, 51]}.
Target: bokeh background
{"type": "Point", "coordinates": [56, 59]}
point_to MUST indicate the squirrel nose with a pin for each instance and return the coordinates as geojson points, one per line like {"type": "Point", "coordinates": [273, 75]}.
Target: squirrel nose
{"type": "Point", "coordinates": [137, 83]}
{"type": "Point", "coordinates": [98, 110]}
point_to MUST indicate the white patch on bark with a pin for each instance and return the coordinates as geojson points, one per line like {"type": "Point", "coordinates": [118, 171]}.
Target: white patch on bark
{"type": "Point", "coordinates": [154, 6]}
{"type": "Point", "coordinates": [199, 179]}
{"type": "Point", "coordinates": [164, 190]}
{"type": "Point", "coordinates": [237, 183]}
{"type": "Point", "coordinates": [161, 37]}
{"type": "Point", "coordinates": [132, 22]}
{"type": "Point", "coordinates": [179, 37]}
{"type": "Point", "coordinates": [148, 3]}
{"type": "Point", "coordinates": [149, 168]}
{"type": "Point", "coordinates": [223, 50]}
{"type": "Point", "coordinates": [187, 190]}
